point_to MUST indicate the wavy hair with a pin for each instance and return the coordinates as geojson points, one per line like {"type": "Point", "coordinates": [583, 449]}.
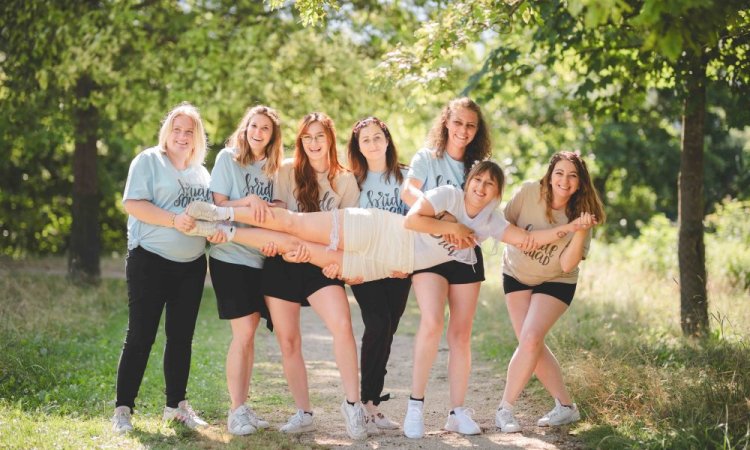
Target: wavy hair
{"type": "Point", "coordinates": [358, 162]}
{"type": "Point", "coordinates": [274, 151]}
{"type": "Point", "coordinates": [200, 141]}
{"type": "Point", "coordinates": [479, 149]}
{"type": "Point", "coordinates": [307, 189]}
{"type": "Point", "coordinates": [584, 199]}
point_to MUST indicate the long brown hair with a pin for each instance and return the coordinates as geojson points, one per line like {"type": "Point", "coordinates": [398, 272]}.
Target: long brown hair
{"type": "Point", "coordinates": [479, 149]}
{"type": "Point", "coordinates": [358, 162]}
{"type": "Point", "coordinates": [274, 150]}
{"type": "Point", "coordinates": [584, 199]}
{"type": "Point", "coordinates": [307, 189]}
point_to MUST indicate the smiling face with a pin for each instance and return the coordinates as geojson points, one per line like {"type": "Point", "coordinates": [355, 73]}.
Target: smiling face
{"type": "Point", "coordinates": [481, 189]}
{"type": "Point", "coordinates": [564, 181]}
{"type": "Point", "coordinates": [462, 126]}
{"type": "Point", "coordinates": [316, 145]}
{"type": "Point", "coordinates": [373, 144]}
{"type": "Point", "coordinates": [181, 139]}
{"type": "Point", "coordinates": [258, 134]}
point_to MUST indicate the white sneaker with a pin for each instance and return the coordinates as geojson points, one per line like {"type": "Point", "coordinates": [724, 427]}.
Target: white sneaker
{"type": "Point", "coordinates": [256, 421]}
{"type": "Point", "coordinates": [184, 414]}
{"type": "Point", "coordinates": [354, 417]}
{"type": "Point", "coordinates": [383, 422]}
{"type": "Point", "coordinates": [121, 420]}
{"type": "Point", "coordinates": [300, 422]}
{"type": "Point", "coordinates": [238, 422]}
{"type": "Point", "coordinates": [207, 211]}
{"type": "Point", "coordinates": [206, 229]}
{"type": "Point", "coordinates": [414, 420]}
{"type": "Point", "coordinates": [560, 415]}
{"type": "Point", "coordinates": [372, 428]}
{"type": "Point", "coordinates": [506, 421]}
{"type": "Point", "coordinates": [461, 422]}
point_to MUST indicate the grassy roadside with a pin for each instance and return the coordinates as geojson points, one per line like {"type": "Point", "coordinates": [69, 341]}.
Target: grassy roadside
{"type": "Point", "coordinates": [59, 346]}
{"type": "Point", "coordinates": [638, 382]}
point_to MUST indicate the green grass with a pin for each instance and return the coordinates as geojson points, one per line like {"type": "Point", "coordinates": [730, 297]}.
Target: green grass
{"type": "Point", "coordinates": [638, 382]}
{"type": "Point", "coordinates": [59, 347]}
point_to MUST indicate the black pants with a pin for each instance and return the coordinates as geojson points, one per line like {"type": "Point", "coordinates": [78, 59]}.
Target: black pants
{"type": "Point", "coordinates": [382, 303]}
{"type": "Point", "coordinates": [154, 282]}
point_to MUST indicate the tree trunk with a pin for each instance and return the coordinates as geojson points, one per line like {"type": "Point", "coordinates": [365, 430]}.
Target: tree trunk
{"type": "Point", "coordinates": [85, 239]}
{"type": "Point", "coordinates": [691, 250]}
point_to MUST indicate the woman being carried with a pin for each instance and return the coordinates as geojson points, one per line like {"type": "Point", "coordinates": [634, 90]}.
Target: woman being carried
{"type": "Point", "coordinates": [374, 243]}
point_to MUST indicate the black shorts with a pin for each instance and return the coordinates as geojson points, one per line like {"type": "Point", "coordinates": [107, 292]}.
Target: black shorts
{"type": "Point", "coordinates": [457, 272]}
{"type": "Point", "coordinates": [561, 291]}
{"type": "Point", "coordinates": [237, 288]}
{"type": "Point", "coordinates": [293, 282]}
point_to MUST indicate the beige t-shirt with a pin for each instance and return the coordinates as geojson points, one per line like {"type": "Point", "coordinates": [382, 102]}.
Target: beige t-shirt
{"type": "Point", "coordinates": [346, 193]}
{"type": "Point", "coordinates": [527, 210]}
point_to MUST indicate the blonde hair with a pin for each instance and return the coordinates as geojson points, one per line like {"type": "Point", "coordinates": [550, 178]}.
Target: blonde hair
{"type": "Point", "coordinates": [274, 151]}
{"type": "Point", "coordinates": [200, 141]}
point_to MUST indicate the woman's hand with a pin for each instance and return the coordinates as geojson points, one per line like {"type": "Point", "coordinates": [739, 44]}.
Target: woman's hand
{"type": "Point", "coordinates": [301, 254]}
{"type": "Point", "coordinates": [269, 250]}
{"type": "Point", "coordinates": [183, 222]}
{"type": "Point", "coordinates": [353, 281]}
{"type": "Point", "coordinates": [258, 207]}
{"type": "Point", "coordinates": [397, 274]}
{"type": "Point", "coordinates": [217, 238]}
{"type": "Point", "coordinates": [332, 271]}
{"type": "Point", "coordinates": [584, 222]}
{"type": "Point", "coordinates": [528, 244]}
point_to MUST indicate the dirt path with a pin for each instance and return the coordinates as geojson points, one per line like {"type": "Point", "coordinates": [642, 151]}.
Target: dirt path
{"type": "Point", "coordinates": [484, 394]}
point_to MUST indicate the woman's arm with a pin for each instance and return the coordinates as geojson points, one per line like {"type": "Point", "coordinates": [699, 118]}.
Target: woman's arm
{"type": "Point", "coordinates": [519, 237]}
{"type": "Point", "coordinates": [572, 255]}
{"type": "Point", "coordinates": [421, 218]}
{"type": "Point", "coordinates": [411, 191]}
{"type": "Point", "coordinates": [147, 212]}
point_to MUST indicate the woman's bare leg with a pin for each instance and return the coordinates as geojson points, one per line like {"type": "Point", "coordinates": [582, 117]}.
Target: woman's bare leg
{"type": "Point", "coordinates": [313, 227]}
{"type": "Point", "coordinates": [259, 237]}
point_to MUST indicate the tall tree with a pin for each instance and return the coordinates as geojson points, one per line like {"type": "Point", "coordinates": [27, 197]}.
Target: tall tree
{"type": "Point", "coordinates": [621, 49]}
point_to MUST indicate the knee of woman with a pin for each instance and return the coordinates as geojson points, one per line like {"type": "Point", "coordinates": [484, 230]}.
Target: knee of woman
{"type": "Point", "coordinates": [244, 340]}
{"type": "Point", "coordinates": [431, 325]}
{"type": "Point", "coordinates": [531, 341]}
{"type": "Point", "coordinates": [460, 338]}
{"type": "Point", "coordinates": [290, 346]}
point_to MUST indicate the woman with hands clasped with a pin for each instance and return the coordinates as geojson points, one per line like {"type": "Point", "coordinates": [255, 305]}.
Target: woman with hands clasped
{"type": "Point", "coordinates": [539, 284]}
{"type": "Point", "coordinates": [165, 269]}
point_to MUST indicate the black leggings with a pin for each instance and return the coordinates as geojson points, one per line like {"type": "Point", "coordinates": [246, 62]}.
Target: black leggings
{"type": "Point", "coordinates": [154, 282]}
{"type": "Point", "coordinates": [382, 303]}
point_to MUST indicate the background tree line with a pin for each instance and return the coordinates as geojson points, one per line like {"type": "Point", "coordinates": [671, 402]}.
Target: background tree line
{"type": "Point", "coordinates": [640, 88]}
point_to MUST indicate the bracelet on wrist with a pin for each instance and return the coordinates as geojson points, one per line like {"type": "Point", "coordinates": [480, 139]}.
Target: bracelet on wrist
{"type": "Point", "coordinates": [174, 216]}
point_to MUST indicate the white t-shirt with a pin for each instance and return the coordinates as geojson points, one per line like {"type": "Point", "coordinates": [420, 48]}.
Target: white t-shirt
{"type": "Point", "coordinates": [527, 210]}
{"type": "Point", "coordinates": [152, 177]}
{"type": "Point", "coordinates": [229, 178]}
{"type": "Point", "coordinates": [431, 250]}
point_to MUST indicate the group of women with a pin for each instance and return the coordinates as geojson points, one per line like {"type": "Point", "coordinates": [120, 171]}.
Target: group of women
{"type": "Point", "coordinates": [288, 234]}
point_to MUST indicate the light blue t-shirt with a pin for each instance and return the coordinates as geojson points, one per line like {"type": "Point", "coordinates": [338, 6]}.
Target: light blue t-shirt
{"type": "Point", "coordinates": [235, 181]}
{"type": "Point", "coordinates": [152, 177]}
{"type": "Point", "coordinates": [431, 250]}
{"type": "Point", "coordinates": [382, 194]}
{"type": "Point", "coordinates": [433, 171]}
